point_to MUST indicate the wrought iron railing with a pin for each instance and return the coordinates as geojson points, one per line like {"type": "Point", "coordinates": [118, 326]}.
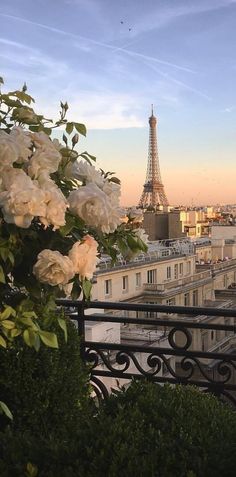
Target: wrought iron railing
{"type": "Point", "coordinates": [183, 345]}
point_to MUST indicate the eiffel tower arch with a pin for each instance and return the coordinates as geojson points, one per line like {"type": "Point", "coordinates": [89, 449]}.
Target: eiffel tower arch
{"type": "Point", "coordinates": [153, 190]}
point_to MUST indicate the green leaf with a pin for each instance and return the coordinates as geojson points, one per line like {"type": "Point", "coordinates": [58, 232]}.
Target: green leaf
{"type": "Point", "coordinates": [69, 128]}
{"type": "Point", "coordinates": [2, 275]}
{"type": "Point", "coordinates": [29, 314]}
{"type": "Point", "coordinates": [11, 257]}
{"type": "Point", "coordinates": [132, 243]}
{"type": "Point", "coordinates": [1, 80]}
{"type": "Point", "coordinates": [9, 311]}
{"type": "Point", "coordinates": [93, 158]}
{"type": "Point", "coordinates": [15, 332]}
{"type": "Point", "coordinates": [3, 342]}
{"type": "Point", "coordinates": [76, 290]}
{"type": "Point", "coordinates": [31, 470]}
{"type": "Point", "coordinates": [8, 324]}
{"type": "Point", "coordinates": [81, 128]}
{"type": "Point", "coordinates": [34, 128]}
{"type": "Point", "coordinates": [86, 287]}
{"type": "Point", "coordinates": [29, 337]}
{"type": "Point", "coordinates": [62, 324]}
{"type": "Point", "coordinates": [115, 180]}
{"type": "Point", "coordinates": [70, 223]}
{"type": "Point", "coordinates": [48, 338]}
{"type": "Point", "coordinates": [5, 410]}
{"type": "Point", "coordinates": [122, 245]}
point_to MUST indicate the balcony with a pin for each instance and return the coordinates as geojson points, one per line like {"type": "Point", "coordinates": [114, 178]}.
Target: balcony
{"type": "Point", "coordinates": [224, 265]}
{"type": "Point", "coordinates": [169, 284]}
{"type": "Point", "coordinates": [192, 346]}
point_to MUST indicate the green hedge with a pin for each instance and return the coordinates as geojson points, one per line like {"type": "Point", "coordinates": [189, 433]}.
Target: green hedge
{"type": "Point", "coordinates": [157, 431]}
{"type": "Point", "coordinates": [44, 390]}
{"type": "Point", "coordinates": [145, 431]}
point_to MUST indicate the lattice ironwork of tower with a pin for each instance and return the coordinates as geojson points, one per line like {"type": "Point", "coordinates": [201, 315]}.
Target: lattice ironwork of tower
{"type": "Point", "coordinates": [153, 190]}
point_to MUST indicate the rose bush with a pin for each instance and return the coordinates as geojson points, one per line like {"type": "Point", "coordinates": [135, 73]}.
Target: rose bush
{"type": "Point", "coordinates": [58, 213]}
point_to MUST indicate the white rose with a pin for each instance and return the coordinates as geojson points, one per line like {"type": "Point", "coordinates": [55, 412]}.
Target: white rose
{"type": "Point", "coordinates": [113, 191]}
{"type": "Point", "coordinates": [53, 268]}
{"type": "Point", "coordinates": [94, 207]}
{"type": "Point", "coordinates": [136, 215]}
{"type": "Point", "coordinates": [24, 143]}
{"type": "Point", "coordinates": [56, 203]}
{"type": "Point", "coordinates": [84, 257]}
{"type": "Point", "coordinates": [44, 161]}
{"type": "Point", "coordinates": [84, 172]}
{"type": "Point", "coordinates": [9, 151]}
{"type": "Point", "coordinates": [140, 233]}
{"type": "Point", "coordinates": [42, 141]}
{"type": "Point", "coordinates": [21, 200]}
{"type": "Point", "coordinates": [13, 176]}
{"type": "Point", "coordinates": [57, 144]}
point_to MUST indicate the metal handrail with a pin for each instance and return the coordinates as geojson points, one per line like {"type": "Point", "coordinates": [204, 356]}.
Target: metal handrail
{"type": "Point", "coordinates": [183, 356]}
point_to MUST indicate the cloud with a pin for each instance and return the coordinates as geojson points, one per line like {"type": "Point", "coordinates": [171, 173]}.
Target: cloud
{"type": "Point", "coordinates": [229, 109]}
{"type": "Point", "coordinates": [108, 46]}
{"type": "Point", "coordinates": [17, 53]}
{"type": "Point", "coordinates": [182, 84]}
{"type": "Point", "coordinates": [166, 13]}
{"type": "Point", "coordinates": [98, 110]}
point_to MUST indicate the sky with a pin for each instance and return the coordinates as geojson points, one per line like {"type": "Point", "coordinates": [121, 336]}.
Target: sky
{"type": "Point", "coordinates": [110, 60]}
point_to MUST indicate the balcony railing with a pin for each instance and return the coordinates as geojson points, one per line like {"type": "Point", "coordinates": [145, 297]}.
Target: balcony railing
{"type": "Point", "coordinates": [217, 267]}
{"type": "Point", "coordinates": [184, 352]}
{"type": "Point", "coordinates": [160, 287]}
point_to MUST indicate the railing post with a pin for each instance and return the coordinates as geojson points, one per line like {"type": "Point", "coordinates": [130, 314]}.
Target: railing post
{"type": "Point", "coordinates": [81, 328]}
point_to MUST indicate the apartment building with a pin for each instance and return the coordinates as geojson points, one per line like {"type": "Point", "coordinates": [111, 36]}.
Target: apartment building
{"type": "Point", "coordinates": [165, 275]}
{"type": "Point", "coordinates": [168, 274]}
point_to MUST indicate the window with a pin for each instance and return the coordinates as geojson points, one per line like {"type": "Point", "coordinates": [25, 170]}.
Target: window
{"type": "Point", "coordinates": [107, 287]}
{"type": "Point", "coordinates": [150, 314]}
{"type": "Point", "coordinates": [188, 268]}
{"type": "Point", "coordinates": [225, 281]}
{"type": "Point", "coordinates": [151, 276]}
{"type": "Point", "coordinates": [195, 298]}
{"type": "Point", "coordinates": [186, 299]}
{"type": "Point", "coordinates": [168, 272]}
{"type": "Point", "coordinates": [170, 301]}
{"type": "Point", "coordinates": [181, 269]}
{"type": "Point", "coordinates": [138, 280]}
{"type": "Point", "coordinates": [125, 284]}
{"type": "Point", "coordinates": [176, 271]}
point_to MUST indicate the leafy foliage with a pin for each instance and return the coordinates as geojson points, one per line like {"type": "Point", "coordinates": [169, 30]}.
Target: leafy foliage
{"type": "Point", "coordinates": [26, 303]}
{"type": "Point", "coordinates": [147, 430]}
{"type": "Point", "coordinates": [150, 430]}
{"type": "Point", "coordinates": [45, 390]}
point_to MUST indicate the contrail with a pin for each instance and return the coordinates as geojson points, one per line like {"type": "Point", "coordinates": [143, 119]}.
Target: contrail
{"type": "Point", "coordinates": [98, 43]}
{"type": "Point", "coordinates": [180, 83]}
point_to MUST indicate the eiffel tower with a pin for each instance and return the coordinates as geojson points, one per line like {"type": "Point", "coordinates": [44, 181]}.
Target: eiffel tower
{"type": "Point", "coordinates": [153, 190]}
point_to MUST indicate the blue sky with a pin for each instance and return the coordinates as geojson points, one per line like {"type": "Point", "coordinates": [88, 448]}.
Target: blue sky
{"type": "Point", "coordinates": [179, 55]}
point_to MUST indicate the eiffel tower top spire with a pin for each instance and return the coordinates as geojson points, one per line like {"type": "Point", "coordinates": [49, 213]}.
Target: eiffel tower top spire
{"type": "Point", "coordinates": [153, 190]}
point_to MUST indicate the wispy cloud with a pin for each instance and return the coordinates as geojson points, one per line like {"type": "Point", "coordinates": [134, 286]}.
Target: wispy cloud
{"type": "Point", "coordinates": [17, 53]}
{"type": "Point", "coordinates": [108, 46]}
{"type": "Point", "coordinates": [99, 110]}
{"type": "Point", "coordinates": [180, 83]}
{"type": "Point", "coordinates": [165, 13]}
{"type": "Point", "coordinates": [230, 109]}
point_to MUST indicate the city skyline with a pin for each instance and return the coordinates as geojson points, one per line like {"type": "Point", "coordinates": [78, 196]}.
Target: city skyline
{"type": "Point", "coordinates": [111, 60]}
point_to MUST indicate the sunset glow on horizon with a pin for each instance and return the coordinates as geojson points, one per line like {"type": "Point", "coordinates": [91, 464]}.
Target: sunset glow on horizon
{"type": "Point", "coordinates": [111, 61]}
